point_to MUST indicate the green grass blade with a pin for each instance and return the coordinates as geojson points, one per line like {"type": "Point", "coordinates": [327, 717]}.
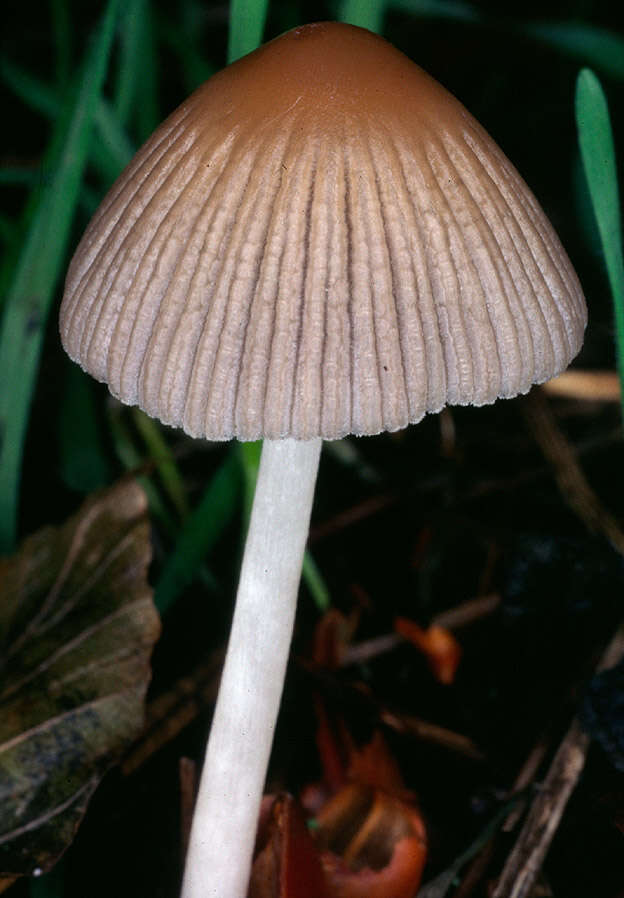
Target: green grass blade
{"type": "Point", "coordinates": [162, 456]}
{"type": "Point", "coordinates": [7, 232]}
{"type": "Point", "coordinates": [315, 582]}
{"type": "Point", "coordinates": [136, 88]}
{"type": "Point", "coordinates": [446, 10]}
{"type": "Point", "coordinates": [110, 151]}
{"type": "Point", "coordinates": [247, 21]}
{"type": "Point", "coordinates": [61, 27]}
{"type": "Point", "coordinates": [194, 67]}
{"type": "Point", "coordinates": [200, 532]}
{"type": "Point", "coordinates": [249, 454]}
{"type": "Point", "coordinates": [186, 38]}
{"type": "Point", "coordinates": [33, 92]}
{"type": "Point", "coordinates": [39, 266]}
{"type": "Point", "coordinates": [83, 465]}
{"type": "Point", "coordinates": [598, 157]}
{"type": "Point", "coordinates": [13, 175]}
{"type": "Point", "coordinates": [365, 13]}
{"type": "Point", "coordinates": [594, 46]}
{"type": "Point", "coordinates": [147, 110]}
{"type": "Point", "coordinates": [132, 461]}
{"type": "Point", "coordinates": [130, 57]}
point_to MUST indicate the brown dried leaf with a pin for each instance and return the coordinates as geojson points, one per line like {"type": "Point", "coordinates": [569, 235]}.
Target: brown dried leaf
{"type": "Point", "coordinates": [286, 862]}
{"type": "Point", "coordinates": [77, 626]}
{"type": "Point", "coordinates": [438, 645]}
{"type": "Point", "coordinates": [373, 844]}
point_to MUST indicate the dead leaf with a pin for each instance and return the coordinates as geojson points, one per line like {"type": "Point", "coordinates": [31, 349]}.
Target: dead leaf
{"type": "Point", "coordinates": [439, 646]}
{"type": "Point", "coordinates": [77, 627]}
{"type": "Point", "coordinates": [286, 864]}
{"type": "Point", "coordinates": [373, 844]}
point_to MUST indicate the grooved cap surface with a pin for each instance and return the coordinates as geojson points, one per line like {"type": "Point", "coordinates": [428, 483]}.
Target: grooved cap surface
{"type": "Point", "coordinates": [320, 241]}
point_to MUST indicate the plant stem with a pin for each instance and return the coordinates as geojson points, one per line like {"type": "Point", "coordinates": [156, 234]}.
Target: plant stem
{"type": "Point", "coordinates": [230, 791]}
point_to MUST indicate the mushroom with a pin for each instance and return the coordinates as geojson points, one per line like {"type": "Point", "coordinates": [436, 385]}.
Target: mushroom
{"type": "Point", "coordinates": [320, 241]}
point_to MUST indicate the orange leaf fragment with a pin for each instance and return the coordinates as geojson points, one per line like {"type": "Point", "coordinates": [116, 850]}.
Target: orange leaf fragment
{"type": "Point", "coordinates": [441, 649]}
{"type": "Point", "coordinates": [370, 833]}
{"type": "Point", "coordinates": [374, 844]}
{"type": "Point", "coordinates": [287, 863]}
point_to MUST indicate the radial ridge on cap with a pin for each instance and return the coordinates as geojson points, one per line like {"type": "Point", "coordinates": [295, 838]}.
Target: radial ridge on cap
{"type": "Point", "coordinates": [320, 241]}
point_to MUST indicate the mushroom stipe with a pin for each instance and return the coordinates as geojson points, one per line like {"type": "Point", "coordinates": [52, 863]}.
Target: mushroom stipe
{"type": "Point", "coordinates": [320, 241]}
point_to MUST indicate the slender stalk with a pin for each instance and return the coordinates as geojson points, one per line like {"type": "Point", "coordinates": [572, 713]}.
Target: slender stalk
{"type": "Point", "coordinates": [226, 813]}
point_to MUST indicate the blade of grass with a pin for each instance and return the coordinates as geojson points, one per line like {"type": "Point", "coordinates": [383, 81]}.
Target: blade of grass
{"type": "Point", "coordinates": [315, 582]}
{"type": "Point", "coordinates": [249, 455]}
{"type": "Point", "coordinates": [61, 28]}
{"type": "Point", "coordinates": [83, 464]}
{"type": "Point", "coordinates": [33, 92]}
{"type": "Point", "coordinates": [590, 44]}
{"type": "Point", "coordinates": [594, 46]}
{"type": "Point", "coordinates": [195, 68]}
{"type": "Point", "coordinates": [247, 21]}
{"type": "Point", "coordinates": [132, 461]}
{"type": "Point", "coordinates": [441, 885]}
{"type": "Point", "coordinates": [200, 532]}
{"type": "Point", "coordinates": [598, 157]}
{"type": "Point", "coordinates": [147, 111]}
{"type": "Point", "coordinates": [110, 150]}
{"type": "Point", "coordinates": [130, 51]}
{"type": "Point", "coordinates": [13, 175]}
{"type": "Point", "coordinates": [136, 88]}
{"type": "Point", "coordinates": [7, 230]}
{"type": "Point", "coordinates": [161, 455]}
{"type": "Point", "coordinates": [28, 302]}
{"type": "Point", "coordinates": [448, 10]}
{"type": "Point", "coordinates": [365, 13]}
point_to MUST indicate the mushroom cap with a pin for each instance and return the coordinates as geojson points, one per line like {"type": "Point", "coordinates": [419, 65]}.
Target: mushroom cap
{"type": "Point", "coordinates": [320, 241]}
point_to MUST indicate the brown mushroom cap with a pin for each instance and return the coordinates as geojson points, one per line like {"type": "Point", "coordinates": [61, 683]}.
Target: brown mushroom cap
{"type": "Point", "coordinates": [320, 241]}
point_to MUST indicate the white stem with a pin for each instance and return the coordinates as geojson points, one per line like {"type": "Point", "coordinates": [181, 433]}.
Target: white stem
{"type": "Point", "coordinates": [226, 814]}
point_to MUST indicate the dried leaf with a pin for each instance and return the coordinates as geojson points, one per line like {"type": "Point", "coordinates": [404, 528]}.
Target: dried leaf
{"type": "Point", "coordinates": [287, 864]}
{"type": "Point", "coordinates": [77, 626]}
{"type": "Point", "coordinates": [369, 830]}
{"type": "Point", "coordinates": [441, 649]}
{"type": "Point", "coordinates": [373, 844]}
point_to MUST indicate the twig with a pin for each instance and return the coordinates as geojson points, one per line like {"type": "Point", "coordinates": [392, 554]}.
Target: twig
{"type": "Point", "coordinates": [570, 478]}
{"type": "Point", "coordinates": [345, 694]}
{"type": "Point", "coordinates": [352, 515]}
{"type": "Point", "coordinates": [169, 713]}
{"type": "Point", "coordinates": [601, 386]}
{"type": "Point", "coordinates": [361, 652]}
{"type": "Point", "coordinates": [431, 732]}
{"type": "Point", "coordinates": [525, 861]}
{"type": "Point", "coordinates": [467, 612]}
{"type": "Point", "coordinates": [526, 776]}
{"type": "Point", "coordinates": [476, 869]}
{"type": "Point", "coordinates": [453, 619]}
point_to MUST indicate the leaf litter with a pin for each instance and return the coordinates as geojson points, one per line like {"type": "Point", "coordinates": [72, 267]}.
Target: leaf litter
{"type": "Point", "coordinates": [77, 627]}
